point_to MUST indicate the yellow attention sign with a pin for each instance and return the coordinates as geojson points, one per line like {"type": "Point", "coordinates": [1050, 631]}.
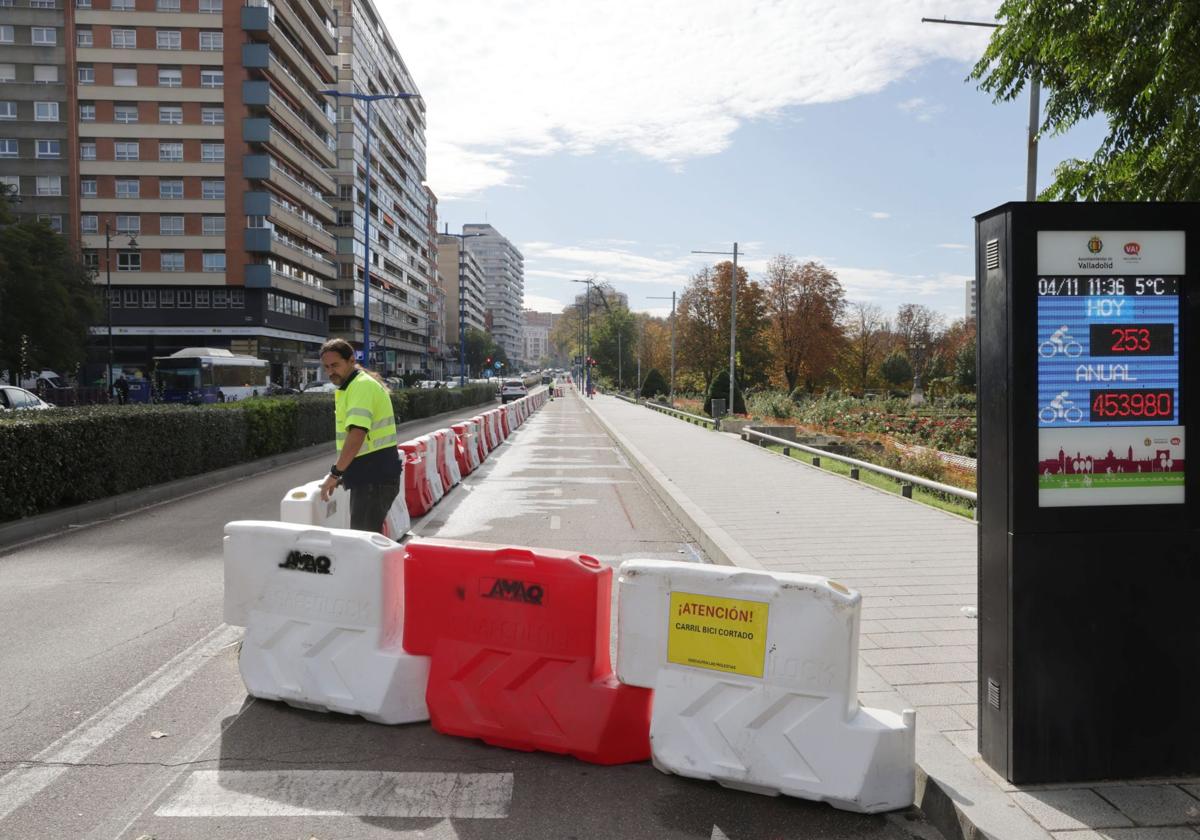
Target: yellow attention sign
{"type": "Point", "coordinates": [721, 634]}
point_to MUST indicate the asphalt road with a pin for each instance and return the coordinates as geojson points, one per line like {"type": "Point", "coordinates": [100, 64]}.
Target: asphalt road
{"type": "Point", "coordinates": [122, 713]}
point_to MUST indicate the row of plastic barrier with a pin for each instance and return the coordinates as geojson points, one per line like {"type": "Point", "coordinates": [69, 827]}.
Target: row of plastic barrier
{"type": "Point", "coordinates": [747, 678]}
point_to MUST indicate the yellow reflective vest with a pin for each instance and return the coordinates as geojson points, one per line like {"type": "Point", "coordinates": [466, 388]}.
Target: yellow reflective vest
{"type": "Point", "coordinates": [365, 403]}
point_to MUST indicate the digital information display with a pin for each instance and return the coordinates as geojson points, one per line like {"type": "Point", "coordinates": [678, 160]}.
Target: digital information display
{"type": "Point", "coordinates": [1110, 428]}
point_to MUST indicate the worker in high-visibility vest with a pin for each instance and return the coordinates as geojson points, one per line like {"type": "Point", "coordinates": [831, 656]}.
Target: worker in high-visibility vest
{"type": "Point", "coordinates": [368, 463]}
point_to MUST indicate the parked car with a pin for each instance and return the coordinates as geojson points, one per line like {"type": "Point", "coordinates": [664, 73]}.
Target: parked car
{"type": "Point", "coordinates": [321, 388]}
{"type": "Point", "coordinates": [18, 399]}
{"type": "Point", "coordinates": [512, 389]}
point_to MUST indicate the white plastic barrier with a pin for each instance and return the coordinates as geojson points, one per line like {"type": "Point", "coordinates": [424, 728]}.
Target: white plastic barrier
{"type": "Point", "coordinates": [449, 441]}
{"type": "Point", "coordinates": [755, 684]}
{"type": "Point", "coordinates": [431, 467]}
{"type": "Point", "coordinates": [303, 506]}
{"type": "Point", "coordinates": [324, 616]}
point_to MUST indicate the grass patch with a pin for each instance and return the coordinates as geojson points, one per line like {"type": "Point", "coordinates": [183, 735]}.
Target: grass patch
{"type": "Point", "coordinates": [920, 494]}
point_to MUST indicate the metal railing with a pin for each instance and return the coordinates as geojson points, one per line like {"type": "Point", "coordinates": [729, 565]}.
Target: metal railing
{"type": "Point", "coordinates": [904, 478]}
{"type": "Point", "coordinates": [629, 400]}
{"type": "Point", "coordinates": [691, 418]}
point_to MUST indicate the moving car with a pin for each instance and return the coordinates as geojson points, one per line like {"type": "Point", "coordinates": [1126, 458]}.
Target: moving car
{"type": "Point", "coordinates": [18, 399]}
{"type": "Point", "coordinates": [512, 389]}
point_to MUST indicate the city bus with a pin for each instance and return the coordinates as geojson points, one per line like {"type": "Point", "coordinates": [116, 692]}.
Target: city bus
{"type": "Point", "coordinates": [207, 375]}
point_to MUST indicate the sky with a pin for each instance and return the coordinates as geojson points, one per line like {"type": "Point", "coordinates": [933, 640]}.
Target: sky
{"type": "Point", "coordinates": [610, 139]}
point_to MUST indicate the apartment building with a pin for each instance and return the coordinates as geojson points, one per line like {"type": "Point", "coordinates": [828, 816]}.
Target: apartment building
{"type": "Point", "coordinates": [34, 110]}
{"type": "Point", "coordinates": [402, 264]}
{"type": "Point", "coordinates": [202, 146]}
{"type": "Point", "coordinates": [504, 277]}
{"type": "Point", "coordinates": [466, 288]}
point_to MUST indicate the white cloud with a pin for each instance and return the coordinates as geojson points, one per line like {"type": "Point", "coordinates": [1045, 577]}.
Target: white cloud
{"type": "Point", "coordinates": [952, 246]}
{"type": "Point", "coordinates": [539, 303]}
{"type": "Point", "coordinates": [921, 109]}
{"type": "Point", "coordinates": [504, 79]}
{"type": "Point", "coordinates": [879, 214]}
{"type": "Point", "coordinates": [621, 267]}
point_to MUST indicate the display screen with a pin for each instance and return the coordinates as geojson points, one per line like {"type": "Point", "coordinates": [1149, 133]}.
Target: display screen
{"type": "Point", "coordinates": [1110, 427]}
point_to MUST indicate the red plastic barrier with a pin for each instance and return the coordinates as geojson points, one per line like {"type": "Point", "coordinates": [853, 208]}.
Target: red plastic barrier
{"type": "Point", "coordinates": [417, 492]}
{"type": "Point", "coordinates": [481, 446]}
{"type": "Point", "coordinates": [443, 465]}
{"type": "Point", "coordinates": [489, 436]}
{"type": "Point", "coordinates": [505, 426]}
{"type": "Point", "coordinates": [520, 645]}
{"type": "Point", "coordinates": [462, 440]}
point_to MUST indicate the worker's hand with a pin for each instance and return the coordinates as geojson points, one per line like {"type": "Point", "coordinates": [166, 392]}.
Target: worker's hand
{"type": "Point", "coordinates": [327, 487]}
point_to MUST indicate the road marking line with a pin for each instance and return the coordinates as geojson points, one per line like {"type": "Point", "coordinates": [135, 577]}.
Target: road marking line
{"type": "Point", "coordinates": [20, 785]}
{"type": "Point", "coordinates": [341, 793]}
{"type": "Point", "coordinates": [555, 523]}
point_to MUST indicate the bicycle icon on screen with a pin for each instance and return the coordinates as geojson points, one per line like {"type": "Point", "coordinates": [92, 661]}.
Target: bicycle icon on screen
{"type": "Point", "coordinates": [1060, 342]}
{"type": "Point", "coordinates": [1061, 408]}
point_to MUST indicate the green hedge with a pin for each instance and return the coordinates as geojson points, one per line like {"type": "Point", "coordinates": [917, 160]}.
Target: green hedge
{"type": "Point", "coordinates": [54, 459]}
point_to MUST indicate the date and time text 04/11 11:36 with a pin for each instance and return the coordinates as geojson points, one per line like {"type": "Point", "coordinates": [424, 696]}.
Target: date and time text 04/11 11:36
{"type": "Point", "coordinates": [1107, 286]}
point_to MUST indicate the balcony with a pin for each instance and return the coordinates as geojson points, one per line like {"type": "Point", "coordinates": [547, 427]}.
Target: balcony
{"type": "Point", "coordinates": [262, 276]}
{"type": "Point", "coordinates": [258, 92]}
{"type": "Point", "coordinates": [260, 130]}
{"type": "Point", "coordinates": [266, 241]}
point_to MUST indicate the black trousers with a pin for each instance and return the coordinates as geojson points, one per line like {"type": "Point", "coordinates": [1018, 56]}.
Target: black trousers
{"type": "Point", "coordinates": [370, 503]}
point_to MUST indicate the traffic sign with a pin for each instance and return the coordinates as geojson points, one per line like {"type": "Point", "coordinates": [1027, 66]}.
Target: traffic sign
{"type": "Point", "coordinates": [487, 373]}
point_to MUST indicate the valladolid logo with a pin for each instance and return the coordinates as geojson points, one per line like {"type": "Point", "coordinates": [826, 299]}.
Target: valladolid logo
{"type": "Point", "coordinates": [1095, 245]}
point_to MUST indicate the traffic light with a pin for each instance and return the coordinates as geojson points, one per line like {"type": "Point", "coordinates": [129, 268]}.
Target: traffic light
{"type": "Point", "coordinates": [488, 360]}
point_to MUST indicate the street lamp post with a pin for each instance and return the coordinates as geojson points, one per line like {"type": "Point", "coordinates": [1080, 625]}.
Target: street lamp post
{"type": "Point", "coordinates": [587, 332]}
{"type": "Point", "coordinates": [133, 246]}
{"type": "Point", "coordinates": [663, 297]}
{"type": "Point", "coordinates": [732, 317]}
{"type": "Point", "coordinates": [369, 99]}
{"type": "Point", "coordinates": [462, 305]}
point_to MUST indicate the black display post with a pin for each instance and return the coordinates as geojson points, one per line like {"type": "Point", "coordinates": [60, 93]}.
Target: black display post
{"type": "Point", "coordinates": [1089, 537]}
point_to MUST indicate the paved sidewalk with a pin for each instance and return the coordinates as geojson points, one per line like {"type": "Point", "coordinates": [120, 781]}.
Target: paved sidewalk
{"type": "Point", "coordinates": [916, 568]}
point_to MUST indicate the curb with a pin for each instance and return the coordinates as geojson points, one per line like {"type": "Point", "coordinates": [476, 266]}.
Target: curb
{"type": "Point", "coordinates": [958, 800]}
{"type": "Point", "coordinates": [44, 525]}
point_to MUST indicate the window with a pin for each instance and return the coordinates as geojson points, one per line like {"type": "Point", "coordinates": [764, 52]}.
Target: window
{"type": "Point", "coordinates": [166, 297]}
{"type": "Point", "coordinates": [149, 296]}
{"type": "Point", "coordinates": [83, 4]}
{"type": "Point", "coordinates": [83, 37]}
{"type": "Point", "coordinates": [131, 225]}
{"type": "Point", "coordinates": [125, 150]}
{"type": "Point", "coordinates": [170, 77]}
{"type": "Point", "coordinates": [43, 36]}
{"type": "Point", "coordinates": [212, 78]}
{"type": "Point", "coordinates": [168, 39]}
{"type": "Point", "coordinates": [170, 225]}
{"type": "Point", "coordinates": [212, 152]}
{"type": "Point", "coordinates": [129, 261]}
{"type": "Point", "coordinates": [45, 111]}
{"type": "Point", "coordinates": [212, 40]}
{"type": "Point", "coordinates": [8, 147]}
{"type": "Point", "coordinates": [55, 222]}
{"type": "Point", "coordinates": [170, 151]}
{"type": "Point", "coordinates": [166, 6]}
{"type": "Point", "coordinates": [170, 189]}
{"type": "Point", "coordinates": [128, 188]}
{"type": "Point", "coordinates": [49, 148]}
{"type": "Point", "coordinates": [87, 112]}
{"type": "Point", "coordinates": [7, 35]}
{"type": "Point", "coordinates": [202, 298]}
{"type": "Point", "coordinates": [213, 262]}
{"type": "Point", "coordinates": [41, 4]}
{"type": "Point", "coordinates": [212, 189]}
{"type": "Point", "coordinates": [130, 298]}
{"type": "Point", "coordinates": [49, 185]}
{"type": "Point", "coordinates": [124, 39]}
{"type": "Point", "coordinates": [211, 7]}
{"type": "Point", "coordinates": [87, 149]}
{"type": "Point", "coordinates": [214, 225]}
{"type": "Point", "coordinates": [125, 76]}
{"type": "Point", "coordinates": [220, 298]}
{"type": "Point", "coordinates": [10, 184]}
{"type": "Point", "coordinates": [125, 113]}
{"type": "Point", "coordinates": [212, 116]}
{"type": "Point", "coordinates": [8, 72]}
{"type": "Point", "coordinates": [45, 74]}
{"type": "Point", "coordinates": [86, 74]}
{"type": "Point", "coordinates": [170, 114]}
{"type": "Point", "coordinates": [237, 298]}
{"type": "Point", "coordinates": [89, 223]}
{"type": "Point", "coordinates": [122, 5]}
{"type": "Point", "coordinates": [87, 187]}
{"type": "Point", "coordinates": [8, 110]}
{"type": "Point", "coordinates": [184, 298]}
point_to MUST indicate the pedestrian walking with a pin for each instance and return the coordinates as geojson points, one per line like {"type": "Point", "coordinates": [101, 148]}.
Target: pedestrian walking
{"type": "Point", "coordinates": [368, 463]}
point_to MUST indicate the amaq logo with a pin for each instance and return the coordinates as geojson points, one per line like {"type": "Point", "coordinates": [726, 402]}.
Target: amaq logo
{"type": "Point", "coordinates": [512, 590]}
{"type": "Point", "coordinates": [1133, 248]}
